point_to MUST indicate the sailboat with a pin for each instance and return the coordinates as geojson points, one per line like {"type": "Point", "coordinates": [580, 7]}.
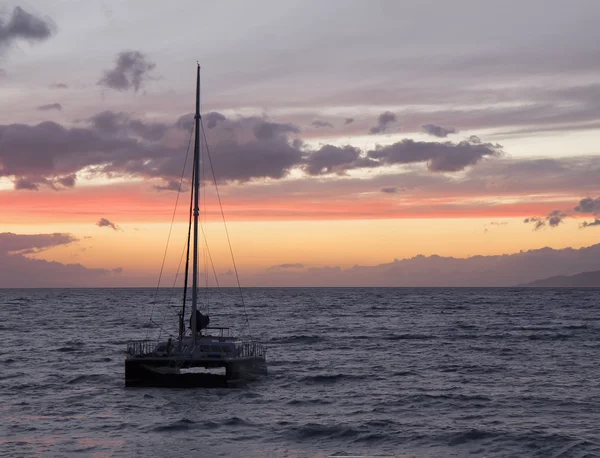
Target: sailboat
{"type": "Point", "coordinates": [201, 355]}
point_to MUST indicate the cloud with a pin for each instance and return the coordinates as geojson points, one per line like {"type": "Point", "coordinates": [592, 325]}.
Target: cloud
{"type": "Point", "coordinates": [430, 271]}
{"type": "Point", "coordinates": [438, 131]}
{"type": "Point", "coordinates": [286, 266]}
{"type": "Point", "coordinates": [389, 190]}
{"type": "Point", "coordinates": [172, 185]}
{"type": "Point", "coordinates": [588, 205]}
{"type": "Point", "coordinates": [67, 181]}
{"type": "Point", "coordinates": [24, 183]}
{"type": "Point", "coordinates": [552, 219]}
{"type": "Point", "coordinates": [50, 106]}
{"type": "Point", "coordinates": [596, 222]}
{"type": "Point", "coordinates": [555, 217]}
{"type": "Point", "coordinates": [348, 121]}
{"type": "Point", "coordinates": [242, 149]}
{"type": "Point", "coordinates": [331, 159]}
{"type": "Point", "coordinates": [539, 222]}
{"type": "Point", "coordinates": [212, 119]}
{"type": "Point", "coordinates": [268, 130]}
{"type": "Point", "coordinates": [383, 122]}
{"type": "Point", "coordinates": [11, 243]}
{"type": "Point", "coordinates": [20, 271]}
{"type": "Point", "coordinates": [131, 69]}
{"type": "Point", "coordinates": [103, 222]}
{"type": "Point", "coordinates": [59, 86]}
{"type": "Point", "coordinates": [120, 124]}
{"type": "Point", "coordinates": [440, 157]}
{"type": "Point", "coordinates": [25, 26]}
{"type": "Point", "coordinates": [318, 124]}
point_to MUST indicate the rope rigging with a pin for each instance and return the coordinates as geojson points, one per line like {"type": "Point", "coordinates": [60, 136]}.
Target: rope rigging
{"type": "Point", "coordinates": [207, 254]}
{"type": "Point", "coordinates": [187, 153]}
{"type": "Point", "coordinates": [247, 323]}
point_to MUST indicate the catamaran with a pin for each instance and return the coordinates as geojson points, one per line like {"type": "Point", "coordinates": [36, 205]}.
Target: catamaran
{"type": "Point", "coordinates": [200, 355]}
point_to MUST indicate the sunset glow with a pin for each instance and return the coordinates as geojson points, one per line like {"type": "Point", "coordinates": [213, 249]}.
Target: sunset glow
{"type": "Point", "coordinates": [459, 152]}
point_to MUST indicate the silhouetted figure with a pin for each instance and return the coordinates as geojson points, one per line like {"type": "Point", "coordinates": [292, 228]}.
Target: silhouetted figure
{"type": "Point", "coordinates": [202, 321]}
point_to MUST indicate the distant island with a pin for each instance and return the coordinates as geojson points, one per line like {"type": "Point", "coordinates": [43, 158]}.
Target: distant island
{"type": "Point", "coordinates": [582, 280]}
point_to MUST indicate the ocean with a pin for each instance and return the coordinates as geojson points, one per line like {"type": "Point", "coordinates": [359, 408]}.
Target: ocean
{"type": "Point", "coordinates": [352, 371]}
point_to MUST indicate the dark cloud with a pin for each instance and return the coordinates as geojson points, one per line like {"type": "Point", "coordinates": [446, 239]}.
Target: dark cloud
{"type": "Point", "coordinates": [555, 217]}
{"type": "Point", "coordinates": [185, 122]}
{"type": "Point", "coordinates": [596, 222]}
{"type": "Point", "coordinates": [18, 243]}
{"type": "Point", "coordinates": [539, 222]}
{"type": "Point", "coordinates": [440, 157]}
{"type": "Point", "coordinates": [25, 184]}
{"type": "Point", "coordinates": [268, 130]}
{"type": "Point", "coordinates": [50, 106]}
{"type": "Point", "coordinates": [348, 121]}
{"type": "Point", "coordinates": [103, 222]}
{"type": "Point", "coordinates": [331, 159]}
{"type": "Point", "coordinates": [438, 131]}
{"type": "Point", "coordinates": [272, 158]}
{"type": "Point", "coordinates": [552, 219]}
{"type": "Point", "coordinates": [212, 119]}
{"type": "Point", "coordinates": [131, 69]}
{"type": "Point", "coordinates": [25, 26]}
{"type": "Point", "coordinates": [499, 223]}
{"type": "Point", "coordinates": [59, 86]}
{"type": "Point", "coordinates": [249, 148]}
{"type": "Point", "coordinates": [120, 124]}
{"type": "Point", "coordinates": [67, 181]}
{"type": "Point", "coordinates": [286, 266]}
{"type": "Point", "coordinates": [245, 148]}
{"type": "Point", "coordinates": [588, 205]}
{"type": "Point", "coordinates": [389, 190]}
{"type": "Point", "coordinates": [20, 271]}
{"type": "Point", "coordinates": [383, 122]}
{"type": "Point", "coordinates": [318, 124]}
{"type": "Point", "coordinates": [148, 131]}
{"type": "Point", "coordinates": [171, 185]}
{"type": "Point", "coordinates": [49, 149]}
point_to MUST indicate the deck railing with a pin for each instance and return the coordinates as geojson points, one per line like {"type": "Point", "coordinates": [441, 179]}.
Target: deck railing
{"type": "Point", "coordinates": [141, 347]}
{"type": "Point", "coordinates": [251, 349]}
{"type": "Point", "coordinates": [149, 348]}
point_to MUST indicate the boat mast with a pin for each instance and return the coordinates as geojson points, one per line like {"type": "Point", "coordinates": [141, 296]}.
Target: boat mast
{"type": "Point", "coordinates": [196, 185]}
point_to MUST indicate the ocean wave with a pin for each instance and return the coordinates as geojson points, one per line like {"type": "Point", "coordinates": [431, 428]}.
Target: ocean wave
{"type": "Point", "coordinates": [68, 349]}
{"type": "Point", "coordinates": [411, 337]}
{"type": "Point", "coordinates": [298, 402]}
{"type": "Point", "coordinates": [330, 378]}
{"type": "Point", "coordinates": [558, 336]}
{"type": "Point", "coordinates": [315, 430]}
{"type": "Point", "coordinates": [469, 436]}
{"type": "Point", "coordinates": [236, 421]}
{"type": "Point", "coordinates": [89, 378]}
{"type": "Point", "coordinates": [180, 425]}
{"type": "Point", "coordinates": [304, 339]}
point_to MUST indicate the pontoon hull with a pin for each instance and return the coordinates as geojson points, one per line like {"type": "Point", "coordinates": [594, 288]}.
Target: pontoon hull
{"type": "Point", "coordinates": [166, 372]}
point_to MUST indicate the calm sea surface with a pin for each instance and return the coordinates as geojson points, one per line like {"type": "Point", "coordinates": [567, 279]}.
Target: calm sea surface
{"type": "Point", "coordinates": [401, 372]}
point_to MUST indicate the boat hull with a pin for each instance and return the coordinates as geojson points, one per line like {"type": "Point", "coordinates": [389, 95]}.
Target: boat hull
{"type": "Point", "coordinates": [166, 372]}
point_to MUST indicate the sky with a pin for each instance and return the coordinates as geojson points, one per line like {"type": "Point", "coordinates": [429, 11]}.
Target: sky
{"type": "Point", "coordinates": [388, 143]}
